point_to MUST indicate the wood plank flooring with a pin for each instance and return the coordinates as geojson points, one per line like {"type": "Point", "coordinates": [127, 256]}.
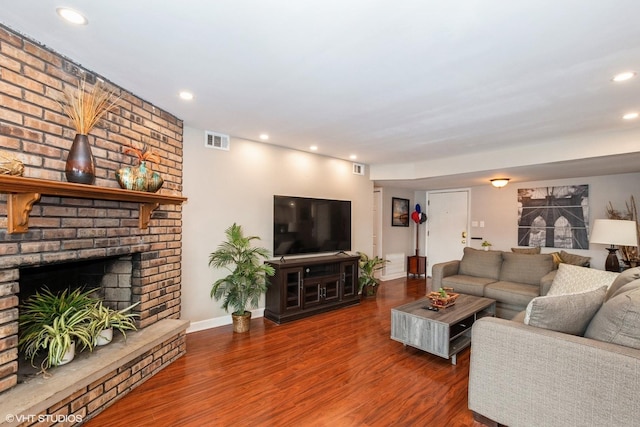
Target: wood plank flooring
{"type": "Point", "coordinates": [334, 369]}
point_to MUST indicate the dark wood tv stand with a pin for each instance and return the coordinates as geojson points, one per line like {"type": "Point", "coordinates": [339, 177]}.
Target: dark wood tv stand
{"type": "Point", "coordinates": [303, 287]}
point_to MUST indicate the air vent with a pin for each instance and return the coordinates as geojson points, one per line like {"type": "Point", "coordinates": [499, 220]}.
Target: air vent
{"type": "Point", "coordinates": [216, 140]}
{"type": "Point", "coordinates": [358, 169]}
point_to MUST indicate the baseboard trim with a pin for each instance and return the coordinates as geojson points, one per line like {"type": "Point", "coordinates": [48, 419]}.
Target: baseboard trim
{"type": "Point", "coordinates": [215, 322]}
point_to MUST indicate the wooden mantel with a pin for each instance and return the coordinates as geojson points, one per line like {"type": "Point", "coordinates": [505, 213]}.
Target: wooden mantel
{"type": "Point", "coordinates": [24, 192]}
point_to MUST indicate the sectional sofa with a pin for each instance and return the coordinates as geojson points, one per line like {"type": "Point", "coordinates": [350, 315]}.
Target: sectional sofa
{"type": "Point", "coordinates": [512, 279]}
{"type": "Point", "coordinates": [575, 363]}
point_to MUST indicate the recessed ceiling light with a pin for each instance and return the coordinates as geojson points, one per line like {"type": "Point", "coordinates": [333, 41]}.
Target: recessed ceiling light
{"type": "Point", "coordinates": [264, 137]}
{"type": "Point", "coordinates": [313, 148]}
{"type": "Point", "coordinates": [186, 95]}
{"type": "Point", "coordinates": [630, 116]}
{"type": "Point", "coordinates": [621, 77]}
{"type": "Point", "coordinates": [353, 157]}
{"type": "Point", "coordinates": [72, 16]}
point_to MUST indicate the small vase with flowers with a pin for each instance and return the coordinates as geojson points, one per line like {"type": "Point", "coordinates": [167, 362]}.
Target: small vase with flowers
{"type": "Point", "coordinates": [140, 177]}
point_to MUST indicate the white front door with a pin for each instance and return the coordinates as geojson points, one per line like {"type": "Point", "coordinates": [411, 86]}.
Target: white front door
{"type": "Point", "coordinates": [447, 226]}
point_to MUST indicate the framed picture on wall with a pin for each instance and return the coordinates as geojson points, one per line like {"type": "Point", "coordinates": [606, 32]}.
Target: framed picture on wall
{"type": "Point", "coordinates": [399, 212]}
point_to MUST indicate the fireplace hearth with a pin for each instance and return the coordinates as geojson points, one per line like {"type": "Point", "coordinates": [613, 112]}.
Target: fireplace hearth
{"type": "Point", "coordinates": [138, 237]}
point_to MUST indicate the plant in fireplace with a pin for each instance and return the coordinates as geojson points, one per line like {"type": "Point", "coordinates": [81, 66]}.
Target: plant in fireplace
{"type": "Point", "coordinates": [104, 320]}
{"type": "Point", "coordinates": [246, 282]}
{"type": "Point", "coordinates": [53, 324]}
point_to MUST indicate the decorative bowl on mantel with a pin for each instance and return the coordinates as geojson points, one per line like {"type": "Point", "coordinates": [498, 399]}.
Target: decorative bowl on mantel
{"type": "Point", "coordinates": [440, 301]}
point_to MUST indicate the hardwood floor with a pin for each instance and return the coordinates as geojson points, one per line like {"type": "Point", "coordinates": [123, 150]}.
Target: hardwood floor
{"type": "Point", "coordinates": [338, 368]}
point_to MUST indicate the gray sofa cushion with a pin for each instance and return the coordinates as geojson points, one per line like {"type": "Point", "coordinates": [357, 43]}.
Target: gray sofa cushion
{"type": "Point", "coordinates": [512, 293]}
{"type": "Point", "coordinates": [569, 314]}
{"type": "Point", "coordinates": [469, 285]}
{"type": "Point", "coordinates": [625, 277]}
{"type": "Point", "coordinates": [525, 268]}
{"type": "Point", "coordinates": [618, 320]}
{"type": "Point", "coordinates": [481, 263]}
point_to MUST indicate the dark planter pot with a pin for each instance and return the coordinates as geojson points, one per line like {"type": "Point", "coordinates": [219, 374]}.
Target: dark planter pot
{"type": "Point", "coordinates": [369, 291]}
{"type": "Point", "coordinates": [80, 167]}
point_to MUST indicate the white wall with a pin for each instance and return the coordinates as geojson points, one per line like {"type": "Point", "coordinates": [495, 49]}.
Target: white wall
{"type": "Point", "coordinates": [397, 239]}
{"type": "Point", "coordinates": [498, 208]}
{"type": "Point", "coordinates": [238, 185]}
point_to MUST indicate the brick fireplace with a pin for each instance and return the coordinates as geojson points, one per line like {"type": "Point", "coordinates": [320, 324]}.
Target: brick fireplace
{"type": "Point", "coordinates": [63, 229]}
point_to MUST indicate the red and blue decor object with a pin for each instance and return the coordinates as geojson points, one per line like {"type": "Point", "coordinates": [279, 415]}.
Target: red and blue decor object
{"type": "Point", "coordinates": [418, 216]}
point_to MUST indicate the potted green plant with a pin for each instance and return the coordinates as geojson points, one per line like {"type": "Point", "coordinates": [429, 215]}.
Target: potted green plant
{"type": "Point", "coordinates": [104, 320]}
{"type": "Point", "coordinates": [486, 245]}
{"type": "Point", "coordinates": [367, 280]}
{"type": "Point", "coordinates": [54, 323]}
{"type": "Point", "coordinates": [247, 280]}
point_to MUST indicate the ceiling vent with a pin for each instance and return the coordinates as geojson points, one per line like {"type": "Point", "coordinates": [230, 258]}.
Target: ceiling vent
{"type": "Point", "coordinates": [216, 140]}
{"type": "Point", "coordinates": [358, 169]}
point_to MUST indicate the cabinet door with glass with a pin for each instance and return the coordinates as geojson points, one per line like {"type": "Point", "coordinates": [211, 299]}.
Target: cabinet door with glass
{"type": "Point", "coordinates": [349, 275]}
{"type": "Point", "coordinates": [292, 286]}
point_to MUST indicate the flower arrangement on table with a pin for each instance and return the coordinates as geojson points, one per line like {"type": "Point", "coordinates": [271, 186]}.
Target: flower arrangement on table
{"type": "Point", "coordinates": [443, 297]}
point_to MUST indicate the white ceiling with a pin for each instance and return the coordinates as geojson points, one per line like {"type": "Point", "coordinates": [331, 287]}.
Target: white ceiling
{"type": "Point", "coordinates": [394, 82]}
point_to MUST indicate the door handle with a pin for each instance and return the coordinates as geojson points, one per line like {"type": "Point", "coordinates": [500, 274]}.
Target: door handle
{"type": "Point", "coordinates": [464, 234]}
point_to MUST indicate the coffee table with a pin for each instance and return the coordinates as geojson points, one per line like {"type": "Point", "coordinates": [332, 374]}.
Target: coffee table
{"type": "Point", "coordinates": [443, 333]}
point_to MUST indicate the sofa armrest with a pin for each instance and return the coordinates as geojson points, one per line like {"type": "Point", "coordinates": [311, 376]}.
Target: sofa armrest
{"type": "Point", "coordinates": [520, 375]}
{"type": "Point", "coordinates": [547, 281]}
{"type": "Point", "coordinates": [441, 270]}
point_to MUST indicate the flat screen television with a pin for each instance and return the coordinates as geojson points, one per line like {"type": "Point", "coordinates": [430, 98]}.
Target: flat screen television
{"type": "Point", "coordinates": [303, 225]}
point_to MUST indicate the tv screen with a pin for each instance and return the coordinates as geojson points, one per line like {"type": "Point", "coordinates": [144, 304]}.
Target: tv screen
{"type": "Point", "coordinates": [304, 225]}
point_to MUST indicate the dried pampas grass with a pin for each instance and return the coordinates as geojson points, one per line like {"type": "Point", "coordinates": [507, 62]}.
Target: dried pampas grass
{"type": "Point", "coordinates": [86, 108]}
{"type": "Point", "coordinates": [629, 253]}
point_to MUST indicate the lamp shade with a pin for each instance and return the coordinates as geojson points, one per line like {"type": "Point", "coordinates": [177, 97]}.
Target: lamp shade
{"type": "Point", "coordinates": [614, 232]}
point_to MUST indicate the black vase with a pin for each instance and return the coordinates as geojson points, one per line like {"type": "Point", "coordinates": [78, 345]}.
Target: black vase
{"type": "Point", "coordinates": [80, 167]}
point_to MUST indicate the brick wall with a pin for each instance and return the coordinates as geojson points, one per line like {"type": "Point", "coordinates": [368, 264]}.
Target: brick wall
{"type": "Point", "coordinates": [34, 129]}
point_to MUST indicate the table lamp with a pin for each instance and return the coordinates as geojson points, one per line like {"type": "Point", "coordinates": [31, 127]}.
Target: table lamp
{"type": "Point", "coordinates": [614, 232]}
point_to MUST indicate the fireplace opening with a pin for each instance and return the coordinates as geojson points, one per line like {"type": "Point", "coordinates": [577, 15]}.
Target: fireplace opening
{"type": "Point", "coordinates": [109, 276]}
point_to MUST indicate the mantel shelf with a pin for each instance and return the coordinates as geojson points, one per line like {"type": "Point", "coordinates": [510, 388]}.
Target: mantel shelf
{"type": "Point", "coordinates": [24, 192]}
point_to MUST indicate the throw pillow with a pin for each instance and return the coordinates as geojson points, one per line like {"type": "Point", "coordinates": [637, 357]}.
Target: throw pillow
{"type": "Point", "coordinates": [479, 263]}
{"type": "Point", "coordinates": [557, 259]}
{"type": "Point", "coordinates": [573, 259]}
{"type": "Point", "coordinates": [571, 279]}
{"type": "Point", "coordinates": [523, 268]}
{"type": "Point", "coordinates": [569, 314]}
{"type": "Point", "coordinates": [625, 277]}
{"type": "Point", "coordinates": [618, 320]}
{"type": "Point", "coordinates": [530, 251]}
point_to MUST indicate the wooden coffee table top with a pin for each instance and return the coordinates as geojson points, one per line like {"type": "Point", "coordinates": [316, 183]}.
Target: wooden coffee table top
{"type": "Point", "coordinates": [465, 306]}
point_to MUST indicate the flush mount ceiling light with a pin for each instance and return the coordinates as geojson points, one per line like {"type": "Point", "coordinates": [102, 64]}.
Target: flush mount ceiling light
{"type": "Point", "coordinates": [188, 96]}
{"type": "Point", "coordinates": [353, 157]}
{"type": "Point", "coordinates": [264, 137]}
{"type": "Point", "coordinates": [621, 77]}
{"type": "Point", "coordinates": [313, 148]}
{"type": "Point", "coordinates": [630, 116]}
{"type": "Point", "coordinates": [499, 182]}
{"type": "Point", "coordinates": [72, 16]}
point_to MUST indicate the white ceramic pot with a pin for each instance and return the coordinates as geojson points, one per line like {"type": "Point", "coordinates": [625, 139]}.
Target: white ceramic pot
{"type": "Point", "coordinates": [69, 354]}
{"type": "Point", "coordinates": [104, 337]}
